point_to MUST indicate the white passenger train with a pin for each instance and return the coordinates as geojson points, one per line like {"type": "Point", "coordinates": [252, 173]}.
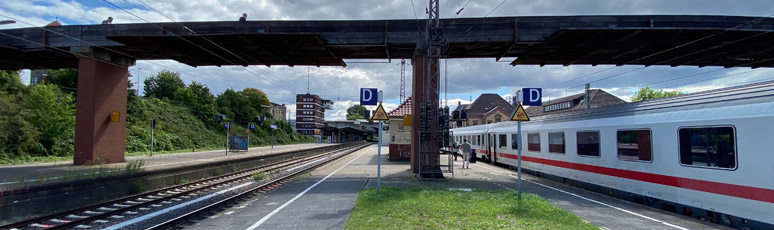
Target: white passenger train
{"type": "Point", "coordinates": [706, 155]}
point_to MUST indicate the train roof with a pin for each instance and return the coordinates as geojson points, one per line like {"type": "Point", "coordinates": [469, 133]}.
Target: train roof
{"type": "Point", "coordinates": [738, 95]}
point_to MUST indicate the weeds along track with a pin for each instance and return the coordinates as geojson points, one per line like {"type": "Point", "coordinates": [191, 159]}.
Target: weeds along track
{"type": "Point", "coordinates": [165, 207]}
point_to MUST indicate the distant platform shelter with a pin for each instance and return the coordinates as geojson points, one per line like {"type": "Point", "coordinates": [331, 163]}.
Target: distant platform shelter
{"type": "Point", "coordinates": [400, 133]}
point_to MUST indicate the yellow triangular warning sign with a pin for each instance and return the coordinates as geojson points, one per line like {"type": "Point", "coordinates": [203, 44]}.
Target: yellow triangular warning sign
{"type": "Point", "coordinates": [520, 115]}
{"type": "Point", "coordinates": [380, 115]}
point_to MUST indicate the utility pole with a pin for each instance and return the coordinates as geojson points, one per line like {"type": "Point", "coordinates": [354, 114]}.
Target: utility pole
{"type": "Point", "coordinates": [402, 80]}
{"type": "Point", "coordinates": [153, 126]}
{"type": "Point", "coordinates": [138, 81]}
{"type": "Point", "coordinates": [587, 97]}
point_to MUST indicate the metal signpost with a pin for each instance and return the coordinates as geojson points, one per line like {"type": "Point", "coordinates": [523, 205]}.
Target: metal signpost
{"type": "Point", "coordinates": [273, 129]}
{"type": "Point", "coordinates": [153, 126]}
{"type": "Point", "coordinates": [532, 96]}
{"type": "Point", "coordinates": [228, 128]}
{"type": "Point", "coordinates": [379, 115]}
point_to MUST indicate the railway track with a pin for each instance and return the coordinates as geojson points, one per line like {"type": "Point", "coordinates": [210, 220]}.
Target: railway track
{"type": "Point", "coordinates": [145, 210]}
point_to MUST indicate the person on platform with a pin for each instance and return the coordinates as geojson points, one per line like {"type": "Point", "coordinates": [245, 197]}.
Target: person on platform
{"type": "Point", "coordinates": [243, 18]}
{"type": "Point", "coordinates": [454, 147]}
{"type": "Point", "coordinates": [465, 147]}
{"type": "Point", "coordinates": [107, 21]}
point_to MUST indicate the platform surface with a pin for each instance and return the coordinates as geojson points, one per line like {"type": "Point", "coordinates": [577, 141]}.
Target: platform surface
{"type": "Point", "coordinates": [324, 199]}
{"type": "Point", "coordinates": [15, 176]}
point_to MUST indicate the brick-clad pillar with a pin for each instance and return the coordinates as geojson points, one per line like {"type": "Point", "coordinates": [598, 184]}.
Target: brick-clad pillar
{"type": "Point", "coordinates": [418, 91]}
{"type": "Point", "coordinates": [101, 90]}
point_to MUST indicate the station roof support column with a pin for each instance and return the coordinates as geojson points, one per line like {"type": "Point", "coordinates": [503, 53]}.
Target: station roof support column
{"type": "Point", "coordinates": [100, 117]}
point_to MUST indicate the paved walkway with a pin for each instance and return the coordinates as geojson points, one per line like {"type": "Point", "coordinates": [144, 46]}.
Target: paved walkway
{"type": "Point", "coordinates": [40, 173]}
{"type": "Point", "coordinates": [325, 198]}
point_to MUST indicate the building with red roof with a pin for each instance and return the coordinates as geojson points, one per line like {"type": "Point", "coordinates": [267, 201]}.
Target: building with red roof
{"type": "Point", "coordinates": [400, 132]}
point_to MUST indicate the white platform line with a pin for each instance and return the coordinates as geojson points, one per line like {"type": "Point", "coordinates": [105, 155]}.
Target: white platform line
{"type": "Point", "coordinates": [591, 200]}
{"type": "Point", "coordinates": [265, 218]}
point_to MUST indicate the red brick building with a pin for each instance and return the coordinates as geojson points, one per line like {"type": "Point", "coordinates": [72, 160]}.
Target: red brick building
{"type": "Point", "coordinates": [310, 113]}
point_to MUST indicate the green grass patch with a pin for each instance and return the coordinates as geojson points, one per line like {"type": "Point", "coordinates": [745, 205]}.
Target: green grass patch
{"type": "Point", "coordinates": [258, 176]}
{"type": "Point", "coordinates": [440, 208]}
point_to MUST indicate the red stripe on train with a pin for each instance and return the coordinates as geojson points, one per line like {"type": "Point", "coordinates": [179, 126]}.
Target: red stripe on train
{"type": "Point", "coordinates": [741, 191]}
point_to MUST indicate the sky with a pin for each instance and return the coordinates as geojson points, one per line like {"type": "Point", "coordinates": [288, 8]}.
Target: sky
{"type": "Point", "coordinates": [466, 78]}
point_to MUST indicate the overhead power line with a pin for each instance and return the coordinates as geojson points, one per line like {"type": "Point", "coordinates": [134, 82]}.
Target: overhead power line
{"type": "Point", "coordinates": [190, 42]}
{"type": "Point", "coordinates": [217, 45]}
{"type": "Point", "coordinates": [461, 8]}
{"type": "Point", "coordinates": [681, 56]}
{"type": "Point", "coordinates": [482, 19]}
{"type": "Point", "coordinates": [105, 48]}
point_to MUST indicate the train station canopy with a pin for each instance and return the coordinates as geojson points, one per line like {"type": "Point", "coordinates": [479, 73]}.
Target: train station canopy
{"type": "Point", "coordinates": [673, 40]}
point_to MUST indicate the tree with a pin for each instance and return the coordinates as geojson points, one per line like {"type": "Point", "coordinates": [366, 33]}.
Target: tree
{"type": "Point", "coordinates": [10, 82]}
{"type": "Point", "coordinates": [19, 137]}
{"type": "Point", "coordinates": [356, 112]}
{"type": "Point", "coordinates": [163, 85]}
{"type": "Point", "coordinates": [185, 96]}
{"type": "Point", "coordinates": [66, 79]}
{"type": "Point", "coordinates": [257, 99]}
{"type": "Point", "coordinates": [647, 93]}
{"type": "Point", "coordinates": [234, 105]}
{"type": "Point", "coordinates": [52, 112]}
{"type": "Point", "coordinates": [203, 102]}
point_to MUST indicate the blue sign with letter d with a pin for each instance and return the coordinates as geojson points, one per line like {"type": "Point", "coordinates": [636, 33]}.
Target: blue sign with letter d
{"type": "Point", "coordinates": [532, 96]}
{"type": "Point", "coordinates": [369, 96]}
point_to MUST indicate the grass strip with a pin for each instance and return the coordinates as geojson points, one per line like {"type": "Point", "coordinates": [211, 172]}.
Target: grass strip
{"type": "Point", "coordinates": [442, 208]}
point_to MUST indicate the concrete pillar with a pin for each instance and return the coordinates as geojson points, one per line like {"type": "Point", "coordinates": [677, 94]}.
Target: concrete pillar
{"type": "Point", "coordinates": [101, 91]}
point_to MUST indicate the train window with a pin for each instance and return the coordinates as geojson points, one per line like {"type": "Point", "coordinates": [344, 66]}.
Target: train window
{"type": "Point", "coordinates": [556, 142]}
{"type": "Point", "coordinates": [503, 141]}
{"type": "Point", "coordinates": [533, 142]}
{"type": "Point", "coordinates": [514, 141]}
{"type": "Point", "coordinates": [588, 143]}
{"type": "Point", "coordinates": [478, 142]}
{"type": "Point", "coordinates": [708, 147]}
{"type": "Point", "coordinates": [634, 145]}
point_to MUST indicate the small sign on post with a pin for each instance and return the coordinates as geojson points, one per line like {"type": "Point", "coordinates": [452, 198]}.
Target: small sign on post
{"type": "Point", "coordinates": [380, 114]}
{"type": "Point", "coordinates": [532, 96]}
{"type": "Point", "coordinates": [519, 114]}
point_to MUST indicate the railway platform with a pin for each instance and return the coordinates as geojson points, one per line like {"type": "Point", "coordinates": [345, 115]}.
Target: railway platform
{"type": "Point", "coordinates": [37, 174]}
{"type": "Point", "coordinates": [324, 199]}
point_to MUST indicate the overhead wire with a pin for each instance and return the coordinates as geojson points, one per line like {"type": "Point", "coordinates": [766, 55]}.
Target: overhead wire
{"type": "Point", "coordinates": [482, 19]}
{"type": "Point", "coordinates": [102, 47]}
{"type": "Point", "coordinates": [416, 18]}
{"type": "Point", "coordinates": [213, 43]}
{"type": "Point", "coordinates": [707, 79]}
{"type": "Point", "coordinates": [681, 56]}
{"type": "Point", "coordinates": [190, 42]}
{"type": "Point", "coordinates": [461, 8]}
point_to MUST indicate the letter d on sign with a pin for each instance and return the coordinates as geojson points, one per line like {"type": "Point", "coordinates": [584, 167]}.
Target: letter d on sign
{"type": "Point", "coordinates": [367, 95]}
{"type": "Point", "coordinates": [533, 96]}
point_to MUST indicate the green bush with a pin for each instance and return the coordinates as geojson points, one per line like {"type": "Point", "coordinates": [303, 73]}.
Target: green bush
{"type": "Point", "coordinates": [38, 121]}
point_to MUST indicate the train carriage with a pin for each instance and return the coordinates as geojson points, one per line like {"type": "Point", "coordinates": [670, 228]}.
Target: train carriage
{"type": "Point", "coordinates": [704, 155]}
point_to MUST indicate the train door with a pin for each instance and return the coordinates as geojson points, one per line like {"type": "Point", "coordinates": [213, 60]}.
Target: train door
{"type": "Point", "coordinates": [494, 148]}
{"type": "Point", "coordinates": [489, 147]}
